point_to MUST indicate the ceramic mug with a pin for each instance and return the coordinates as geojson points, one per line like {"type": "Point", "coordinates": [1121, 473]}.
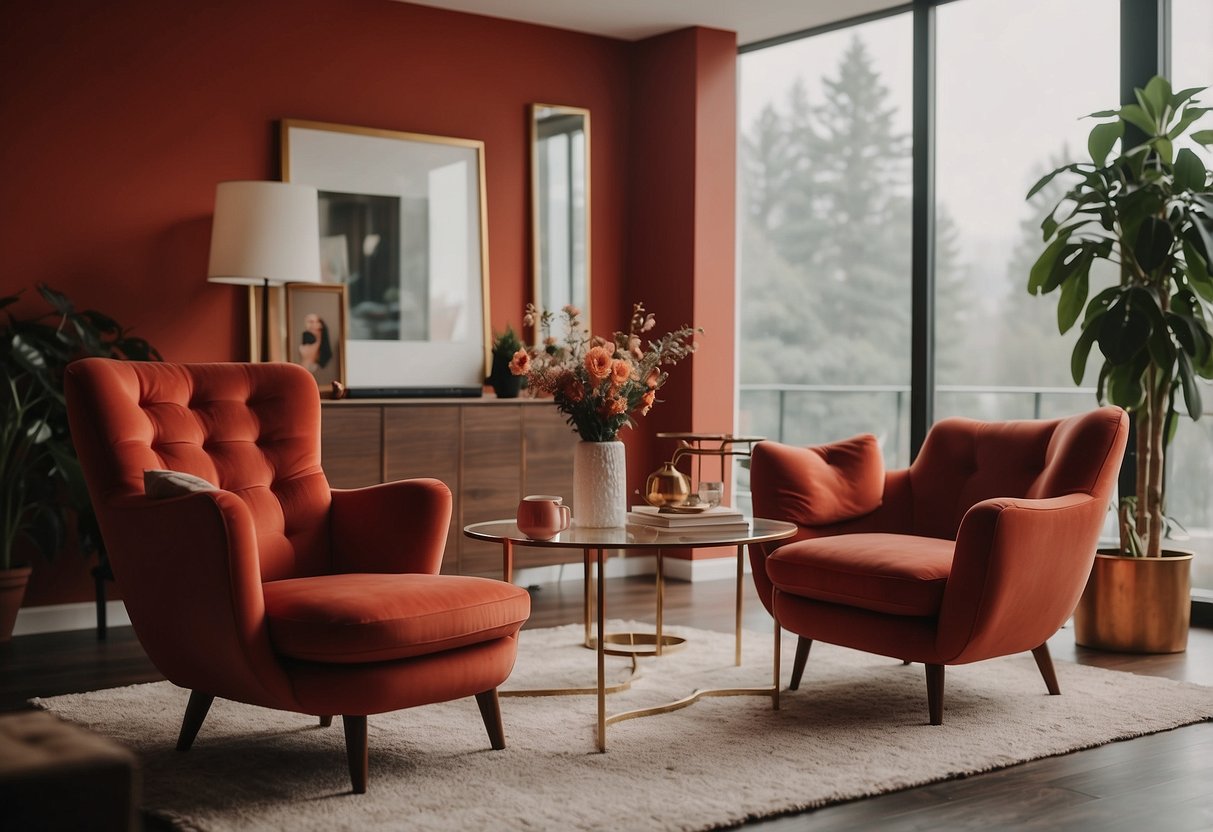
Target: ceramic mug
{"type": "Point", "coordinates": [542, 517]}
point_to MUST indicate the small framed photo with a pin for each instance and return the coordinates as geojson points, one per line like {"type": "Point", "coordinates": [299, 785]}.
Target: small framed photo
{"type": "Point", "coordinates": [316, 330]}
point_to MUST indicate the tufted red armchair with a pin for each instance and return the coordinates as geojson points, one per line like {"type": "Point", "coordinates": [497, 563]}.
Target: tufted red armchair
{"type": "Point", "coordinates": [979, 549]}
{"type": "Point", "coordinates": [274, 589]}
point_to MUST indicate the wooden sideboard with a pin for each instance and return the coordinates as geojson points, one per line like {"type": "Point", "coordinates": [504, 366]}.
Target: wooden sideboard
{"type": "Point", "coordinates": [490, 452]}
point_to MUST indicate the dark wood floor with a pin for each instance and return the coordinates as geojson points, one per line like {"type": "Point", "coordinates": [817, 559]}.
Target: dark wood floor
{"type": "Point", "coordinates": [1160, 783]}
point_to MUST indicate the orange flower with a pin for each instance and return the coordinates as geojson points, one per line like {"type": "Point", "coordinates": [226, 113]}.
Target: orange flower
{"type": "Point", "coordinates": [653, 379]}
{"type": "Point", "coordinates": [621, 371]}
{"type": "Point", "coordinates": [647, 400]}
{"type": "Point", "coordinates": [598, 363]}
{"type": "Point", "coordinates": [573, 389]}
{"type": "Point", "coordinates": [520, 363]}
{"type": "Point", "coordinates": [616, 405]}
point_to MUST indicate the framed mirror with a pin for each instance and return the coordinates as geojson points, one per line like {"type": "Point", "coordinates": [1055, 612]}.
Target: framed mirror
{"type": "Point", "coordinates": [560, 208]}
{"type": "Point", "coordinates": [402, 226]}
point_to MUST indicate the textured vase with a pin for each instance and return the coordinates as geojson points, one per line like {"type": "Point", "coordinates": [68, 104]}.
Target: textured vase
{"type": "Point", "coordinates": [600, 494]}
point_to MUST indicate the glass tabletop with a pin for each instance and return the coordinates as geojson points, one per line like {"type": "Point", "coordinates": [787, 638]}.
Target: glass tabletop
{"type": "Point", "coordinates": [634, 536]}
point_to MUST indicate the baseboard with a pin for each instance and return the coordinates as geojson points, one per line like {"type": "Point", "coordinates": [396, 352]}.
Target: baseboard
{"type": "Point", "coordinates": [57, 618]}
{"type": "Point", "coordinates": [704, 569]}
{"type": "Point", "coordinates": [616, 567]}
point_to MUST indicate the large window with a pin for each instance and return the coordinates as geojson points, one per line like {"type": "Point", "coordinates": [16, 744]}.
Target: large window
{"type": "Point", "coordinates": [825, 237]}
{"type": "Point", "coordinates": [1190, 472]}
{"type": "Point", "coordinates": [824, 230]}
{"type": "Point", "coordinates": [1002, 120]}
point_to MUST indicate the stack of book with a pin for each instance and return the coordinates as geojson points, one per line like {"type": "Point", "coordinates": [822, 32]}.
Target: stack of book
{"type": "Point", "coordinates": [720, 519]}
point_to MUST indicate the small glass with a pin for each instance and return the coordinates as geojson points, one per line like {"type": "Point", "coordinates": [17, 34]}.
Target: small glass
{"type": "Point", "coordinates": [710, 493]}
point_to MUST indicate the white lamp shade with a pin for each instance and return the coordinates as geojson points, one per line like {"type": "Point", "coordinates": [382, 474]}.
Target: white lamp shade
{"type": "Point", "coordinates": [265, 231]}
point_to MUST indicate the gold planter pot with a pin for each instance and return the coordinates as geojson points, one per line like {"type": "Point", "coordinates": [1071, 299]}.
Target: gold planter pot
{"type": "Point", "coordinates": [1136, 605]}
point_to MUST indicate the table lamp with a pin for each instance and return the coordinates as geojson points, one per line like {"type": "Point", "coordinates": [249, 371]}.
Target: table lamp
{"type": "Point", "coordinates": [263, 234]}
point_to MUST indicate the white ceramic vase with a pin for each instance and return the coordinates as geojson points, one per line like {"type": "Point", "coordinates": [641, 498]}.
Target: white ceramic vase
{"type": "Point", "coordinates": [600, 495]}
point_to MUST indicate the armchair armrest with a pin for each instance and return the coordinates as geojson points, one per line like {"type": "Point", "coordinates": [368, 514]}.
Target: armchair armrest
{"type": "Point", "coordinates": [1019, 568]}
{"type": "Point", "coordinates": [190, 576]}
{"type": "Point", "coordinates": [393, 527]}
{"type": "Point", "coordinates": [817, 486]}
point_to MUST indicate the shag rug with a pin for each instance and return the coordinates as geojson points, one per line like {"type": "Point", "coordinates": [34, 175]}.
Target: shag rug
{"type": "Point", "coordinates": [857, 727]}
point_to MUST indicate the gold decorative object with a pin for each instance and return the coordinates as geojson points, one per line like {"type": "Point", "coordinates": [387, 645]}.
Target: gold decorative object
{"type": "Point", "coordinates": [667, 486]}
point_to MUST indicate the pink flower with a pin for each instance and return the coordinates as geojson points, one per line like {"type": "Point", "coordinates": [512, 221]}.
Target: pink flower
{"type": "Point", "coordinates": [598, 363]}
{"type": "Point", "coordinates": [634, 347]}
{"type": "Point", "coordinates": [520, 363]}
{"type": "Point", "coordinates": [571, 310]}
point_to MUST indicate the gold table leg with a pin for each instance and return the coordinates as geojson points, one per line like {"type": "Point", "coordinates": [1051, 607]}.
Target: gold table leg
{"type": "Point", "coordinates": [737, 625]}
{"type": "Point", "coordinates": [601, 654]}
{"type": "Point", "coordinates": [660, 603]}
{"type": "Point", "coordinates": [586, 592]}
{"type": "Point", "coordinates": [775, 690]}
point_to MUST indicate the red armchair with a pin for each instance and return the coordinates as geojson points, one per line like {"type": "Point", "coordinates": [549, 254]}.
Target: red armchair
{"type": "Point", "coordinates": [979, 549]}
{"type": "Point", "coordinates": [274, 589]}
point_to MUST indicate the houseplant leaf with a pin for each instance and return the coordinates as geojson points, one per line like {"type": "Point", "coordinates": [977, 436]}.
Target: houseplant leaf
{"type": "Point", "coordinates": [1153, 243]}
{"type": "Point", "coordinates": [1189, 171]}
{"type": "Point", "coordinates": [1102, 138]}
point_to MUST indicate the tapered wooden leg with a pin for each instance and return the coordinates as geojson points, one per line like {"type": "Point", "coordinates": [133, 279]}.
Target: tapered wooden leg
{"type": "Point", "coordinates": [326, 721]}
{"type": "Point", "coordinates": [935, 693]}
{"type": "Point", "coordinates": [905, 662]}
{"type": "Point", "coordinates": [802, 656]}
{"type": "Point", "coordinates": [1044, 662]}
{"type": "Point", "coordinates": [355, 751]}
{"type": "Point", "coordinates": [195, 713]}
{"type": "Point", "coordinates": [490, 712]}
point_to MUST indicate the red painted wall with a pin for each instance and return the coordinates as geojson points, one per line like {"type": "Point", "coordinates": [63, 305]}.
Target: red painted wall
{"type": "Point", "coordinates": [120, 116]}
{"type": "Point", "coordinates": [681, 235]}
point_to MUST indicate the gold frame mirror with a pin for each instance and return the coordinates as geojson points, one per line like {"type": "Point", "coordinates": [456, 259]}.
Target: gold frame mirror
{"type": "Point", "coordinates": [560, 209]}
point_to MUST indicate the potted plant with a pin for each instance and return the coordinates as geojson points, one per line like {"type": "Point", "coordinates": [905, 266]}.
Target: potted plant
{"type": "Point", "coordinates": [40, 477]}
{"type": "Point", "coordinates": [505, 384]}
{"type": "Point", "coordinates": [1149, 210]}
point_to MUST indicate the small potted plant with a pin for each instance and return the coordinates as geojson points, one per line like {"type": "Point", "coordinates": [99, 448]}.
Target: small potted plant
{"type": "Point", "coordinates": [1149, 210]}
{"type": "Point", "coordinates": [504, 383]}
{"type": "Point", "coordinates": [40, 477]}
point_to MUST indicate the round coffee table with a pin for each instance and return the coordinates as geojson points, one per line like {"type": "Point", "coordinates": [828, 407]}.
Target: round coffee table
{"type": "Point", "coordinates": [634, 536]}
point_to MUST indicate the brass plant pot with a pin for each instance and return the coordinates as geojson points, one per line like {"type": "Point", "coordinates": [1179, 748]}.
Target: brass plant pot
{"type": "Point", "coordinates": [1136, 605]}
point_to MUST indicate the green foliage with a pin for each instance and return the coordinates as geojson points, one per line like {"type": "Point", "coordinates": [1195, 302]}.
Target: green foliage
{"type": "Point", "coordinates": [40, 477]}
{"type": "Point", "coordinates": [506, 343]}
{"type": "Point", "coordinates": [1149, 211]}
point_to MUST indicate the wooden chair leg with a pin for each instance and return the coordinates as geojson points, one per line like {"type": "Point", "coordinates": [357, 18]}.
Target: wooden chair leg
{"type": "Point", "coordinates": [1044, 663]}
{"type": "Point", "coordinates": [195, 713]}
{"type": "Point", "coordinates": [490, 712]}
{"type": "Point", "coordinates": [356, 751]}
{"type": "Point", "coordinates": [326, 721]}
{"type": "Point", "coordinates": [802, 657]}
{"type": "Point", "coordinates": [935, 693]}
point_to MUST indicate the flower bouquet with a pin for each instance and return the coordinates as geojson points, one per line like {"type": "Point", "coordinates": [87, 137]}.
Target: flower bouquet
{"type": "Point", "coordinates": [600, 384]}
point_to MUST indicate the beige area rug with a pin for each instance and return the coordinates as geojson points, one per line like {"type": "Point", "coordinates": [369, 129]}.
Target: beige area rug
{"type": "Point", "coordinates": [856, 727]}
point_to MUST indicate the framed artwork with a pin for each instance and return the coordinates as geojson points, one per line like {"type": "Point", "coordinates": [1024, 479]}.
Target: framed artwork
{"type": "Point", "coordinates": [316, 327]}
{"type": "Point", "coordinates": [402, 227]}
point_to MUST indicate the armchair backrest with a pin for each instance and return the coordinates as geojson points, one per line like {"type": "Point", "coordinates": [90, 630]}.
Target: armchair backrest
{"type": "Point", "coordinates": [963, 462]}
{"type": "Point", "coordinates": [251, 429]}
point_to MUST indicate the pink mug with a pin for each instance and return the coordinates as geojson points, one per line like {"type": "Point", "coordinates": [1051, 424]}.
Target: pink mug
{"type": "Point", "coordinates": [542, 517]}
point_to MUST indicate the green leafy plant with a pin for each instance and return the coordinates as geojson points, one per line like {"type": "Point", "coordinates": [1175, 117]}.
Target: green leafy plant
{"type": "Point", "coordinates": [40, 477]}
{"type": "Point", "coordinates": [506, 343]}
{"type": "Point", "coordinates": [1148, 209]}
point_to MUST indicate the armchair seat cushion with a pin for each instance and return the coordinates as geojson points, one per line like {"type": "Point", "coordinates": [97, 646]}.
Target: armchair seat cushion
{"type": "Point", "coordinates": [363, 617]}
{"type": "Point", "coordinates": [899, 574]}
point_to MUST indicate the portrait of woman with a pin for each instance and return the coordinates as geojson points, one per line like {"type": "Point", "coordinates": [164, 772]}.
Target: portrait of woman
{"type": "Point", "coordinates": [316, 330]}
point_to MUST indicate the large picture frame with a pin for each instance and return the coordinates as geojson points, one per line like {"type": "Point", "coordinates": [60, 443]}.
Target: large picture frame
{"type": "Point", "coordinates": [404, 228]}
{"type": "Point", "coordinates": [316, 326]}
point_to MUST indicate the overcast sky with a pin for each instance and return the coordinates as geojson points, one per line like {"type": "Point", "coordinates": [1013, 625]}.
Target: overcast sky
{"type": "Point", "coordinates": [1013, 77]}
